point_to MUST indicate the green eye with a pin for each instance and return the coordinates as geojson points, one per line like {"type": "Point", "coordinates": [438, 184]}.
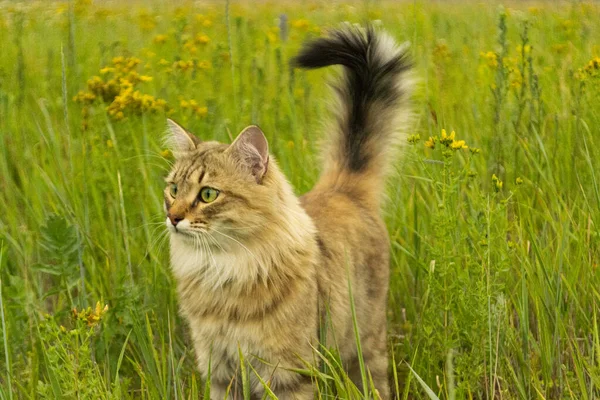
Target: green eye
{"type": "Point", "coordinates": [208, 195]}
{"type": "Point", "coordinates": [173, 190]}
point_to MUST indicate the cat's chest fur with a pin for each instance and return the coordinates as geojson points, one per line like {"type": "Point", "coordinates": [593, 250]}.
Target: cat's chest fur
{"type": "Point", "coordinates": [229, 301]}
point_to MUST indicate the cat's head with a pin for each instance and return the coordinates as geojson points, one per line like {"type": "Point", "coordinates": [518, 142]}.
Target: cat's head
{"type": "Point", "coordinates": [220, 195]}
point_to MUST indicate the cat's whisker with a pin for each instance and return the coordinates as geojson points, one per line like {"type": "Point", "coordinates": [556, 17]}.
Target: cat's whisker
{"type": "Point", "coordinates": [148, 224]}
{"type": "Point", "coordinates": [244, 227]}
{"type": "Point", "coordinates": [215, 241]}
{"type": "Point", "coordinates": [235, 240]}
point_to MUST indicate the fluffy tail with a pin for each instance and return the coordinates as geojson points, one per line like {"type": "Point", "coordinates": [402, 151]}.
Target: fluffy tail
{"type": "Point", "coordinates": [372, 103]}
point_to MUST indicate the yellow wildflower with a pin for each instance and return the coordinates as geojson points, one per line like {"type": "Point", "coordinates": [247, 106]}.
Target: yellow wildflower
{"type": "Point", "coordinates": [109, 143]}
{"type": "Point", "coordinates": [163, 62]}
{"type": "Point", "coordinates": [497, 183]}
{"type": "Point", "coordinates": [202, 39]}
{"type": "Point", "coordinates": [458, 144]}
{"type": "Point", "coordinates": [201, 111]}
{"type": "Point", "coordinates": [300, 24]}
{"type": "Point", "coordinates": [430, 143]}
{"type": "Point", "coordinates": [89, 315]}
{"type": "Point", "coordinates": [491, 58]}
{"type": "Point", "coordinates": [189, 46]}
{"type": "Point", "coordinates": [160, 39]}
{"type": "Point", "coordinates": [203, 64]}
{"type": "Point", "coordinates": [446, 139]}
{"type": "Point", "coordinates": [413, 139]}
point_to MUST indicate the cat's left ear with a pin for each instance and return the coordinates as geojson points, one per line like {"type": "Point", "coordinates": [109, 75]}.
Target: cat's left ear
{"type": "Point", "coordinates": [252, 149]}
{"type": "Point", "coordinates": [178, 139]}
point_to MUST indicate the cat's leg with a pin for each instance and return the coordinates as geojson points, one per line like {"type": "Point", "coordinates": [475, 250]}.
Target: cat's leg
{"type": "Point", "coordinates": [375, 357]}
{"type": "Point", "coordinates": [302, 390]}
{"type": "Point", "coordinates": [224, 390]}
{"type": "Point", "coordinates": [287, 385]}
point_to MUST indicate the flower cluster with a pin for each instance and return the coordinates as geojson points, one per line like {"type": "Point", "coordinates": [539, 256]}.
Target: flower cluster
{"type": "Point", "coordinates": [301, 24]}
{"type": "Point", "coordinates": [91, 316]}
{"type": "Point", "coordinates": [116, 86]}
{"type": "Point", "coordinates": [447, 140]}
{"type": "Point", "coordinates": [194, 107]}
{"type": "Point", "coordinates": [510, 64]}
{"type": "Point", "coordinates": [203, 20]}
{"type": "Point", "coordinates": [497, 183]}
{"type": "Point", "coordinates": [590, 70]}
{"type": "Point", "coordinates": [190, 43]}
{"type": "Point", "coordinates": [491, 58]}
{"type": "Point", "coordinates": [186, 65]}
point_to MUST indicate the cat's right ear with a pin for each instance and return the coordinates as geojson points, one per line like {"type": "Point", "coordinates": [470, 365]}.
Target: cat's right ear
{"type": "Point", "coordinates": [178, 139]}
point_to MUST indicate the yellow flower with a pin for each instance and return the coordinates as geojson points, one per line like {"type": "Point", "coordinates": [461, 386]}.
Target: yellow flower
{"type": "Point", "coordinates": [202, 39]}
{"type": "Point", "coordinates": [203, 64]}
{"type": "Point", "coordinates": [446, 139]}
{"type": "Point", "coordinates": [300, 24]}
{"type": "Point", "coordinates": [165, 153]}
{"type": "Point", "coordinates": [519, 181]}
{"type": "Point", "coordinates": [160, 39]}
{"type": "Point", "coordinates": [430, 143]}
{"type": "Point", "coordinates": [189, 46]}
{"type": "Point", "coordinates": [183, 65]}
{"type": "Point", "coordinates": [89, 315]}
{"type": "Point", "coordinates": [491, 58]}
{"type": "Point", "coordinates": [413, 139]}
{"type": "Point", "coordinates": [458, 144]}
{"type": "Point", "coordinates": [201, 111]}
{"type": "Point", "coordinates": [109, 143]}
{"type": "Point", "coordinates": [184, 104]}
{"type": "Point", "coordinates": [497, 183]}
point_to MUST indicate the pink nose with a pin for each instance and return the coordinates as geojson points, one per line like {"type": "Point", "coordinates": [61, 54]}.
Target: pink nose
{"type": "Point", "coordinates": [175, 219]}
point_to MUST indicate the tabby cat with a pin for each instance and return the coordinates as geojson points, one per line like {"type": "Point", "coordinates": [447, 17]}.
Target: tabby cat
{"type": "Point", "coordinates": [258, 269]}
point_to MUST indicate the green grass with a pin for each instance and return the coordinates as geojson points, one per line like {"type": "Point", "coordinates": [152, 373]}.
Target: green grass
{"type": "Point", "coordinates": [495, 284]}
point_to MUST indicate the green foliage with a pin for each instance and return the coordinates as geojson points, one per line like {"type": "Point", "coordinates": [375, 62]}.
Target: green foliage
{"type": "Point", "coordinates": [495, 230]}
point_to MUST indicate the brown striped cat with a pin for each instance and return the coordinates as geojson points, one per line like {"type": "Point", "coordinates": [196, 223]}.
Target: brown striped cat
{"type": "Point", "coordinates": [257, 268]}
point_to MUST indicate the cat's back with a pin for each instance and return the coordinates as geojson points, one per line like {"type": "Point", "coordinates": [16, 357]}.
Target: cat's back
{"type": "Point", "coordinates": [350, 234]}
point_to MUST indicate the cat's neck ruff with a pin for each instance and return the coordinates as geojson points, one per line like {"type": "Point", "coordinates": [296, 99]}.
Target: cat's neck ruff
{"type": "Point", "coordinates": [262, 259]}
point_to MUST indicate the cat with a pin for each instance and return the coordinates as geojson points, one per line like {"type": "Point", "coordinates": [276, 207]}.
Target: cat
{"type": "Point", "coordinates": [259, 270]}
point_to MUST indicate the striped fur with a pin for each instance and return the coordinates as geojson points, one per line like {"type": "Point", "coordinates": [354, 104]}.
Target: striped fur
{"type": "Point", "coordinates": [258, 269]}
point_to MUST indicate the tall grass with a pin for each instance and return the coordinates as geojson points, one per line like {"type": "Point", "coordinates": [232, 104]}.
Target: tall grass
{"type": "Point", "coordinates": [495, 248]}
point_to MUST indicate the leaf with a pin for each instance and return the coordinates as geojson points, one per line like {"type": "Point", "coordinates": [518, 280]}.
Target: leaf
{"type": "Point", "coordinates": [427, 389]}
{"type": "Point", "coordinates": [60, 243]}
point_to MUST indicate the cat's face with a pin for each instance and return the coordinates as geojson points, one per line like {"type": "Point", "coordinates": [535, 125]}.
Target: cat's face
{"type": "Point", "coordinates": [217, 195]}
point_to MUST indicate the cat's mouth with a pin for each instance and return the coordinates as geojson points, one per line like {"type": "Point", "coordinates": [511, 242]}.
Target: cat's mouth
{"type": "Point", "coordinates": [183, 228]}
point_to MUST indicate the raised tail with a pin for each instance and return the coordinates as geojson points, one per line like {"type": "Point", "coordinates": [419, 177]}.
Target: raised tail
{"type": "Point", "coordinates": [372, 103]}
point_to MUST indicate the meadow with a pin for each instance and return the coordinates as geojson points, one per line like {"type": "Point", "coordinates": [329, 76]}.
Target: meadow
{"type": "Point", "coordinates": [493, 212]}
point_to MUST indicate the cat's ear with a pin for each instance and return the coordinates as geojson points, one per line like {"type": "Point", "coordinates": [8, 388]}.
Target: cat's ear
{"type": "Point", "coordinates": [178, 139]}
{"type": "Point", "coordinates": [252, 150]}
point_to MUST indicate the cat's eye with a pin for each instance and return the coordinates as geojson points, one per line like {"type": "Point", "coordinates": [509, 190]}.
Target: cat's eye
{"type": "Point", "coordinates": [208, 194]}
{"type": "Point", "coordinates": [173, 190]}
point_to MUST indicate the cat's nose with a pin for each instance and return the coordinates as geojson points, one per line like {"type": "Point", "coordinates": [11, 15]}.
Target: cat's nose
{"type": "Point", "coordinates": [175, 219]}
